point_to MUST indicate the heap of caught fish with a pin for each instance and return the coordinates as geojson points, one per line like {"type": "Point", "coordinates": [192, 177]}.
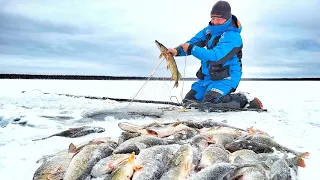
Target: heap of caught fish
{"type": "Point", "coordinates": [195, 150]}
{"type": "Point", "coordinates": [171, 63]}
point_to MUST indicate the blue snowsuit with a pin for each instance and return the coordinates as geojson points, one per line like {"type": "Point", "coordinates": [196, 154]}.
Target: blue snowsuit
{"type": "Point", "coordinates": [219, 50]}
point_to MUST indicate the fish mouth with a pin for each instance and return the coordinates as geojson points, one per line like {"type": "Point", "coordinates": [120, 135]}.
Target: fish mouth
{"type": "Point", "coordinates": [158, 43]}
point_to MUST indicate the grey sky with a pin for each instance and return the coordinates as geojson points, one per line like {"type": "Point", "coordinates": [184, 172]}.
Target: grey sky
{"type": "Point", "coordinates": [105, 37]}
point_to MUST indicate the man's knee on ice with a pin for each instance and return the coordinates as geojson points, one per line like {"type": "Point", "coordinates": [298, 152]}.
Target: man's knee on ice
{"type": "Point", "coordinates": [191, 95]}
{"type": "Point", "coordinates": [212, 96]}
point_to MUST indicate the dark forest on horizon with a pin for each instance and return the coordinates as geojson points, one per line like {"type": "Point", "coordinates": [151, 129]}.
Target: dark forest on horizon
{"type": "Point", "coordinates": [90, 77]}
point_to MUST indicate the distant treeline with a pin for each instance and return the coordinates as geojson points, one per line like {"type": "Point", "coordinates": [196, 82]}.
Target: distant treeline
{"type": "Point", "coordinates": [83, 77]}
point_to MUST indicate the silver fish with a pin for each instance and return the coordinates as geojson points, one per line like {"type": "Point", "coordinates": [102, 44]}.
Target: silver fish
{"type": "Point", "coordinates": [137, 143]}
{"type": "Point", "coordinates": [154, 161]}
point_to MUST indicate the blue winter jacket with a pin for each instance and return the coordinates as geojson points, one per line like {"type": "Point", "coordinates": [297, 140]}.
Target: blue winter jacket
{"type": "Point", "coordinates": [225, 55]}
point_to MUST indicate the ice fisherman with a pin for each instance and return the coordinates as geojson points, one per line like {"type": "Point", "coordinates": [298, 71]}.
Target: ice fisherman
{"type": "Point", "coordinates": [219, 48]}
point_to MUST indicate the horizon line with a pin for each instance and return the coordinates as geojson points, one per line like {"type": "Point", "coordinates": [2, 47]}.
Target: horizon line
{"type": "Point", "coordinates": [100, 77]}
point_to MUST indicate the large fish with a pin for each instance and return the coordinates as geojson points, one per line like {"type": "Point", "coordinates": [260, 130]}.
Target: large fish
{"type": "Point", "coordinates": [141, 142]}
{"type": "Point", "coordinates": [108, 164]}
{"type": "Point", "coordinates": [82, 163]}
{"type": "Point", "coordinates": [171, 63]}
{"type": "Point", "coordinates": [54, 167]}
{"type": "Point", "coordinates": [76, 132]}
{"type": "Point", "coordinates": [267, 140]}
{"type": "Point", "coordinates": [213, 154]}
{"type": "Point", "coordinates": [247, 144]}
{"type": "Point", "coordinates": [154, 161]}
{"type": "Point", "coordinates": [181, 164]}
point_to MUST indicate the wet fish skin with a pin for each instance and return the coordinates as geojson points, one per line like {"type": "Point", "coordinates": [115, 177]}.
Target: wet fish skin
{"type": "Point", "coordinates": [216, 171]}
{"type": "Point", "coordinates": [198, 143]}
{"type": "Point", "coordinates": [219, 171]}
{"type": "Point", "coordinates": [83, 162]}
{"type": "Point", "coordinates": [171, 63]}
{"type": "Point", "coordinates": [222, 139]}
{"type": "Point", "coordinates": [166, 130]}
{"type": "Point", "coordinates": [243, 154]}
{"type": "Point", "coordinates": [140, 142]}
{"type": "Point", "coordinates": [213, 154]}
{"type": "Point", "coordinates": [154, 161]}
{"type": "Point", "coordinates": [124, 136]}
{"type": "Point", "coordinates": [55, 165]}
{"type": "Point", "coordinates": [182, 135]}
{"type": "Point", "coordinates": [247, 144]}
{"type": "Point", "coordinates": [267, 140]}
{"type": "Point", "coordinates": [181, 164]}
{"type": "Point", "coordinates": [108, 164]}
{"type": "Point", "coordinates": [280, 170]}
{"type": "Point", "coordinates": [76, 132]}
{"type": "Point", "coordinates": [223, 130]}
{"type": "Point", "coordinates": [250, 173]}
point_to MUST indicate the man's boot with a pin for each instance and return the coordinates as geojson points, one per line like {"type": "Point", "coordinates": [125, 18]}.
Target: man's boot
{"type": "Point", "coordinates": [253, 102]}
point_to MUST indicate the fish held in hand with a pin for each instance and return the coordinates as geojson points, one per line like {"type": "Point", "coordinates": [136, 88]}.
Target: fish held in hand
{"type": "Point", "coordinates": [171, 63]}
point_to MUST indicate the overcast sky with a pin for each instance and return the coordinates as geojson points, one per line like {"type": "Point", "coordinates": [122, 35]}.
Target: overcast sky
{"type": "Point", "coordinates": [116, 37]}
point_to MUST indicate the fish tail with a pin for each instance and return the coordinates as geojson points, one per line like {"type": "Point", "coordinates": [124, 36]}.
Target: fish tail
{"type": "Point", "coordinates": [179, 75]}
{"type": "Point", "coordinates": [300, 161]}
{"type": "Point", "coordinates": [251, 131]}
{"type": "Point", "coordinates": [131, 158]}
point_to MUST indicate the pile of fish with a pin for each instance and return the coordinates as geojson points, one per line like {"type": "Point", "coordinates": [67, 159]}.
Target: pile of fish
{"type": "Point", "coordinates": [195, 150]}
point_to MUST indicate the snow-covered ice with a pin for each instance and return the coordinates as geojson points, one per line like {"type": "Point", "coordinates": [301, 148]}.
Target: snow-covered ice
{"type": "Point", "coordinates": [292, 117]}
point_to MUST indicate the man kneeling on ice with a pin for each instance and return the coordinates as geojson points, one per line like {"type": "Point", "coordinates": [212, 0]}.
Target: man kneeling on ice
{"type": "Point", "coordinates": [219, 47]}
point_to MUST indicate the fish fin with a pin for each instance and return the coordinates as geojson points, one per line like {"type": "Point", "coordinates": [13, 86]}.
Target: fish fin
{"type": "Point", "coordinates": [131, 158]}
{"type": "Point", "coordinates": [161, 55]}
{"type": "Point", "coordinates": [97, 142]}
{"type": "Point", "coordinates": [211, 141]}
{"type": "Point", "coordinates": [179, 75]}
{"type": "Point", "coordinates": [168, 67]}
{"type": "Point", "coordinates": [137, 167]}
{"type": "Point", "coordinates": [176, 124]}
{"type": "Point", "coordinates": [111, 166]}
{"type": "Point", "coordinates": [187, 167]}
{"type": "Point", "coordinates": [75, 153]}
{"type": "Point", "coordinates": [70, 129]}
{"type": "Point", "coordinates": [301, 162]}
{"type": "Point", "coordinates": [251, 131]}
{"type": "Point", "coordinates": [59, 174]}
{"type": "Point", "coordinates": [72, 148]}
{"type": "Point", "coordinates": [171, 78]}
{"type": "Point", "coordinates": [176, 84]}
{"type": "Point", "coordinates": [151, 132]}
